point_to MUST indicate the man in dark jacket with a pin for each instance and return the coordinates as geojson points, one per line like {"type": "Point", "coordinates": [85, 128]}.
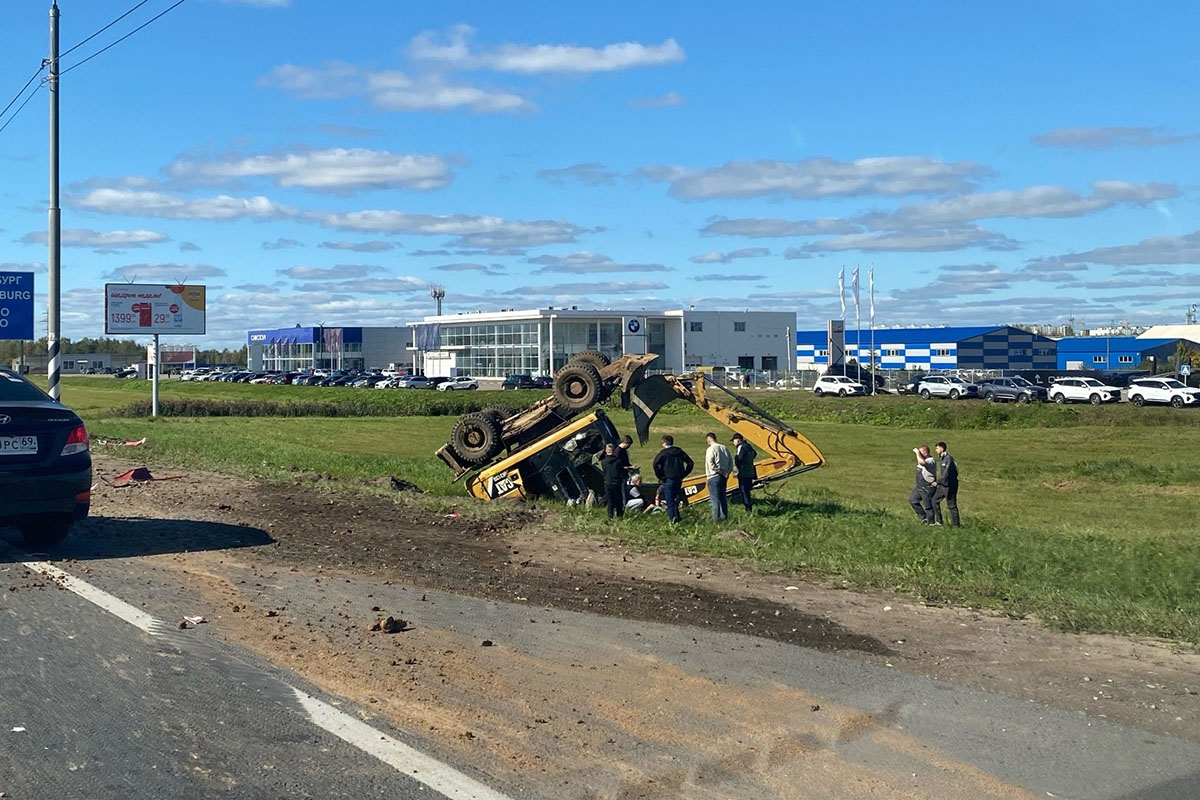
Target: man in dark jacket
{"type": "Point", "coordinates": [946, 486]}
{"type": "Point", "coordinates": [671, 466]}
{"type": "Point", "coordinates": [921, 497]}
{"type": "Point", "coordinates": [612, 467]}
{"type": "Point", "coordinates": [743, 459]}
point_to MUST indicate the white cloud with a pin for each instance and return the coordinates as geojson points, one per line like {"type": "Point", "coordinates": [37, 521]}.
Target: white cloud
{"type": "Point", "coordinates": [468, 230]}
{"type": "Point", "coordinates": [158, 204]}
{"type": "Point", "coordinates": [922, 241]}
{"type": "Point", "coordinates": [578, 289]}
{"type": "Point", "coordinates": [107, 241]}
{"type": "Point", "coordinates": [339, 272]}
{"type": "Point", "coordinates": [585, 263]}
{"type": "Point", "coordinates": [1035, 201]}
{"type": "Point", "coordinates": [390, 90]}
{"type": "Point", "coordinates": [1111, 137]}
{"type": "Point", "coordinates": [713, 257]}
{"type": "Point", "coordinates": [453, 49]}
{"type": "Point", "coordinates": [375, 246]}
{"type": "Point", "coordinates": [667, 100]}
{"type": "Point", "coordinates": [590, 174]}
{"type": "Point", "coordinates": [367, 285]}
{"type": "Point", "coordinates": [1155, 250]}
{"type": "Point", "coordinates": [155, 273]}
{"type": "Point", "coordinates": [485, 269]}
{"type": "Point", "coordinates": [189, 247]}
{"type": "Point", "coordinates": [336, 169]}
{"type": "Point", "coordinates": [282, 244]}
{"type": "Point", "coordinates": [817, 177]}
{"type": "Point", "coordinates": [729, 276]}
{"type": "Point", "coordinates": [764, 228]}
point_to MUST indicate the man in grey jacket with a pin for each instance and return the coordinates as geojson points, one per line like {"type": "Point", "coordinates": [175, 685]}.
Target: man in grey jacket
{"type": "Point", "coordinates": [718, 466]}
{"type": "Point", "coordinates": [946, 486]}
{"type": "Point", "coordinates": [921, 497]}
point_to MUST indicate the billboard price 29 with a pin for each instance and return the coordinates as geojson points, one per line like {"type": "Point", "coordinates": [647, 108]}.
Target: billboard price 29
{"type": "Point", "coordinates": [134, 308]}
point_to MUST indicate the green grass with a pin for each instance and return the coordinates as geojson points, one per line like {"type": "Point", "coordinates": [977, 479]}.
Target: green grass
{"type": "Point", "coordinates": [1088, 527]}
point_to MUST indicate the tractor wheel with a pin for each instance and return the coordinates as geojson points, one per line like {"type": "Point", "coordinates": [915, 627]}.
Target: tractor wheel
{"type": "Point", "coordinates": [593, 357]}
{"type": "Point", "coordinates": [577, 386]}
{"type": "Point", "coordinates": [476, 438]}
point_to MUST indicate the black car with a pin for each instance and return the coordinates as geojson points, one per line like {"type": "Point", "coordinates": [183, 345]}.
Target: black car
{"type": "Point", "coordinates": [1017, 390]}
{"type": "Point", "coordinates": [518, 382]}
{"type": "Point", "coordinates": [543, 382]}
{"type": "Point", "coordinates": [45, 466]}
{"type": "Point", "coordinates": [911, 385]}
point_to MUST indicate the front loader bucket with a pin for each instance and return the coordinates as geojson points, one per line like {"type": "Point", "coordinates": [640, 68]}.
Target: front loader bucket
{"type": "Point", "coordinates": [646, 398]}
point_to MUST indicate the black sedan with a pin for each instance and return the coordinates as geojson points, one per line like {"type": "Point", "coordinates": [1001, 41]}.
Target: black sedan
{"type": "Point", "coordinates": [1017, 390]}
{"type": "Point", "coordinates": [45, 466]}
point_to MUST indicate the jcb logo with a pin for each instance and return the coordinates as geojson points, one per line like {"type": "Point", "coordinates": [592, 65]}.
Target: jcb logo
{"type": "Point", "coordinates": [688, 491]}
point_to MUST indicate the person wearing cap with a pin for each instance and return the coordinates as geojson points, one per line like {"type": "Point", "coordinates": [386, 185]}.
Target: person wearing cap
{"type": "Point", "coordinates": [743, 459]}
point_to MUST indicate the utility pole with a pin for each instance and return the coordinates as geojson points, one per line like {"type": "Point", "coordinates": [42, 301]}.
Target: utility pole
{"type": "Point", "coordinates": [437, 293]}
{"type": "Point", "coordinates": [54, 300]}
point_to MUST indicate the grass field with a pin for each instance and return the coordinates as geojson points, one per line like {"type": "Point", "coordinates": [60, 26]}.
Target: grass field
{"type": "Point", "coordinates": [1088, 526]}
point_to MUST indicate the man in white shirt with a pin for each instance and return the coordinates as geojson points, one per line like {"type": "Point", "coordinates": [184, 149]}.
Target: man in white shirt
{"type": "Point", "coordinates": [718, 466]}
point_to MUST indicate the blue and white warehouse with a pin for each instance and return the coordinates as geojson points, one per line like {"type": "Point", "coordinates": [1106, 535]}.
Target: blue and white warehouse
{"type": "Point", "coordinates": [945, 348]}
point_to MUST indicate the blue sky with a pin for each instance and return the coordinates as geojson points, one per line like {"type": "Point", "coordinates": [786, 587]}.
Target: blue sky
{"type": "Point", "coordinates": [1018, 162]}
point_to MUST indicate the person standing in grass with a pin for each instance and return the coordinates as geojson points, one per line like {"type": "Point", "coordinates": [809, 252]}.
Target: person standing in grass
{"type": "Point", "coordinates": [743, 459]}
{"type": "Point", "coordinates": [921, 497]}
{"type": "Point", "coordinates": [946, 486]}
{"type": "Point", "coordinates": [671, 466]}
{"type": "Point", "coordinates": [623, 451]}
{"type": "Point", "coordinates": [612, 468]}
{"type": "Point", "coordinates": [718, 466]}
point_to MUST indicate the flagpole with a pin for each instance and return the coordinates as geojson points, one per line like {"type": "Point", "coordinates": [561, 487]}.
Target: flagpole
{"type": "Point", "coordinates": [874, 372]}
{"type": "Point", "coordinates": [857, 328]}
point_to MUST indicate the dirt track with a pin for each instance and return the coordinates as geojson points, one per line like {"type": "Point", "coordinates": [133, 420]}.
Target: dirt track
{"type": "Point", "coordinates": [322, 562]}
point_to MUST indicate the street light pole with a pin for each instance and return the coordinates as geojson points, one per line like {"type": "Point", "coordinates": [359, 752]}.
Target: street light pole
{"type": "Point", "coordinates": [53, 301]}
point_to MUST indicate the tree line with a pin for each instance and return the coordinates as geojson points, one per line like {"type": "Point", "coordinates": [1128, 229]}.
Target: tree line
{"type": "Point", "coordinates": [10, 350]}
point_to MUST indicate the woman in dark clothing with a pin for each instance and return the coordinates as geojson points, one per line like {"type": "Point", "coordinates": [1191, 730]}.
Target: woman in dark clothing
{"type": "Point", "coordinates": [612, 467]}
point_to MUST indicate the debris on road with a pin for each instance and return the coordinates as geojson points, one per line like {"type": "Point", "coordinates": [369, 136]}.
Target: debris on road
{"type": "Point", "coordinates": [389, 625]}
{"type": "Point", "coordinates": [487, 643]}
{"type": "Point", "coordinates": [19, 729]}
{"type": "Point", "coordinates": [191, 622]}
{"type": "Point", "coordinates": [137, 475]}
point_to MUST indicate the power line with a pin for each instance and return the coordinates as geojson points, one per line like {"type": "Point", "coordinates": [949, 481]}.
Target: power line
{"type": "Point", "coordinates": [106, 27]}
{"type": "Point", "coordinates": [17, 96]}
{"type": "Point", "coordinates": [18, 111]}
{"type": "Point", "coordinates": [123, 38]}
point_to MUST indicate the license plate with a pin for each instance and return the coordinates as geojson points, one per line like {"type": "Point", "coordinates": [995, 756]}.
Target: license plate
{"type": "Point", "coordinates": [18, 445]}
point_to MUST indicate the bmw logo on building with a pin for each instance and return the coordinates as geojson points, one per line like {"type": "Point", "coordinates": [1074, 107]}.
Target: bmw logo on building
{"type": "Point", "coordinates": [634, 325]}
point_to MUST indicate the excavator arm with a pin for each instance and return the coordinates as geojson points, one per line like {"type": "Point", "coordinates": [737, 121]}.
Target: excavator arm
{"type": "Point", "coordinates": [782, 451]}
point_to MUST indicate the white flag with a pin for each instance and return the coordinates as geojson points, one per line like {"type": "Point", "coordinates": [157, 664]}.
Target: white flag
{"type": "Point", "coordinates": [842, 289]}
{"type": "Point", "coordinates": [854, 287]}
{"type": "Point", "coordinates": [871, 282]}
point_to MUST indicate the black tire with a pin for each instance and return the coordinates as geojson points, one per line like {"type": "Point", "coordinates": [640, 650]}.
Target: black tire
{"type": "Point", "coordinates": [46, 532]}
{"type": "Point", "coordinates": [1138, 400]}
{"type": "Point", "coordinates": [1024, 399]}
{"type": "Point", "coordinates": [990, 397]}
{"type": "Point", "coordinates": [1177, 402]}
{"type": "Point", "coordinates": [577, 386]}
{"type": "Point", "coordinates": [1059, 398]}
{"type": "Point", "coordinates": [841, 392]}
{"type": "Point", "coordinates": [476, 438]}
{"type": "Point", "coordinates": [954, 393]}
{"type": "Point", "coordinates": [925, 394]}
{"type": "Point", "coordinates": [819, 392]}
{"type": "Point", "coordinates": [1094, 399]}
{"type": "Point", "coordinates": [501, 413]}
{"type": "Point", "coordinates": [593, 357]}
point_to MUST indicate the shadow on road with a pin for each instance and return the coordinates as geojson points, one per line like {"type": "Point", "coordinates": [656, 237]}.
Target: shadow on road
{"type": "Point", "coordinates": [127, 537]}
{"type": "Point", "coordinates": [1183, 788]}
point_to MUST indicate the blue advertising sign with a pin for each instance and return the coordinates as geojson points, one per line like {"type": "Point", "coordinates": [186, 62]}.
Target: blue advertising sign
{"type": "Point", "coordinates": [16, 305]}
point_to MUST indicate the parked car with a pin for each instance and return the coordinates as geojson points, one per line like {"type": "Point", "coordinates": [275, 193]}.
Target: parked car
{"type": "Point", "coordinates": [837, 384]}
{"type": "Point", "coordinates": [128, 372]}
{"type": "Point", "coordinates": [1017, 390]}
{"type": "Point", "coordinates": [45, 466]}
{"type": "Point", "coordinates": [946, 386]}
{"type": "Point", "coordinates": [412, 382]}
{"type": "Point", "coordinates": [518, 382]}
{"type": "Point", "coordinates": [543, 382]}
{"type": "Point", "coordinates": [461, 382]}
{"type": "Point", "coordinates": [435, 383]}
{"type": "Point", "coordinates": [1162, 390]}
{"type": "Point", "coordinates": [912, 385]}
{"type": "Point", "coordinates": [1083, 390]}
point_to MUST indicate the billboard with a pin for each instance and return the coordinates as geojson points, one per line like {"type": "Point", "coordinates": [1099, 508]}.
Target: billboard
{"type": "Point", "coordinates": [134, 308]}
{"type": "Point", "coordinates": [837, 342]}
{"type": "Point", "coordinates": [16, 305]}
{"type": "Point", "coordinates": [633, 335]}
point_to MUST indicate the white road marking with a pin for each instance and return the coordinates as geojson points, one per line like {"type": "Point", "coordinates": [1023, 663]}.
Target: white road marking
{"type": "Point", "coordinates": [418, 766]}
{"type": "Point", "coordinates": [442, 778]}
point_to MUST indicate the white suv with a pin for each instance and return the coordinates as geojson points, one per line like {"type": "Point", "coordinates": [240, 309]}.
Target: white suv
{"type": "Point", "coordinates": [1083, 390]}
{"type": "Point", "coordinates": [946, 386]}
{"type": "Point", "coordinates": [1161, 390]}
{"type": "Point", "coordinates": [837, 384]}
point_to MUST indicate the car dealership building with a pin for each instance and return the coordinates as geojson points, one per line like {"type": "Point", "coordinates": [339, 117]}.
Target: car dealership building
{"type": "Point", "coordinates": [934, 348]}
{"type": "Point", "coordinates": [539, 341]}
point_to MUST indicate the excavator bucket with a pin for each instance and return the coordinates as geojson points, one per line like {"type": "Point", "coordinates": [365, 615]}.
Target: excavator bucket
{"type": "Point", "coordinates": [646, 398]}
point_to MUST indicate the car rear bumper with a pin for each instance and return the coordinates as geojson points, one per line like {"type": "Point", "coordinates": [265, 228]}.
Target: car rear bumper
{"type": "Point", "coordinates": [62, 493]}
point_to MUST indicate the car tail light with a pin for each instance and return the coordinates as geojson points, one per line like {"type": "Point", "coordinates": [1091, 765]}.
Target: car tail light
{"type": "Point", "coordinates": [77, 441]}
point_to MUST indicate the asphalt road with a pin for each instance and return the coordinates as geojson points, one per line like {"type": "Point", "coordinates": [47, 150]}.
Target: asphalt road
{"type": "Point", "coordinates": [93, 707]}
{"type": "Point", "coordinates": [109, 711]}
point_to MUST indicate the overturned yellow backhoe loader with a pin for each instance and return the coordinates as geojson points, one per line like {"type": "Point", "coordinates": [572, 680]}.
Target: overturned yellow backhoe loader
{"type": "Point", "coordinates": [550, 449]}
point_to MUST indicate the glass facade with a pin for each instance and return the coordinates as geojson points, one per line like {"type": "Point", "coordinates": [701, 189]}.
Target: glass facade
{"type": "Point", "coordinates": [494, 349]}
